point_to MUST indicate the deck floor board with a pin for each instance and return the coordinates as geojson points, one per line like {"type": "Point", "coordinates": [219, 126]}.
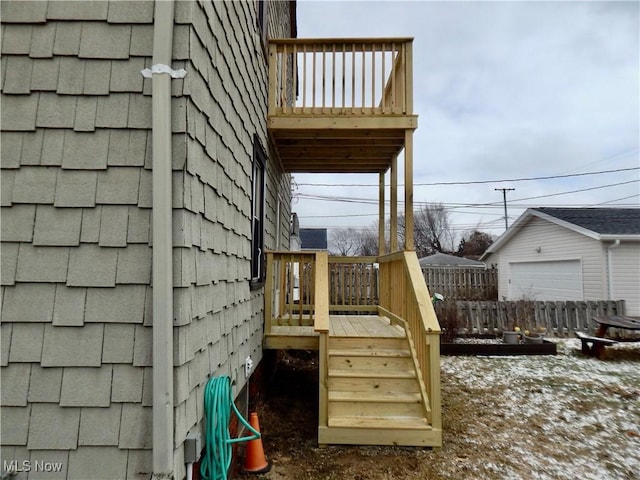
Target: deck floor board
{"type": "Point", "coordinates": [293, 336]}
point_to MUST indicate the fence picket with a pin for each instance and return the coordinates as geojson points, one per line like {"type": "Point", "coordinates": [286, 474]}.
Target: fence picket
{"type": "Point", "coordinates": [557, 318]}
{"type": "Point", "coordinates": [462, 283]}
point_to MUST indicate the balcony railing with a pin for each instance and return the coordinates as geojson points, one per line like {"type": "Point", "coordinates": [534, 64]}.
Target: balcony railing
{"type": "Point", "coordinates": [340, 76]}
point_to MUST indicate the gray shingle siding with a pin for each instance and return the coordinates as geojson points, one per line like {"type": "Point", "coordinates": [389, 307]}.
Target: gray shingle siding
{"type": "Point", "coordinates": [76, 222]}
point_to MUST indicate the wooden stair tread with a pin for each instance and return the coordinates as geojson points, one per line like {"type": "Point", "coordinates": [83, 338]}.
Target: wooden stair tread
{"type": "Point", "coordinates": [395, 397]}
{"type": "Point", "coordinates": [393, 423]}
{"type": "Point", "coordinates": [371, 373]}
{"type": "Point", "coordinates": [382, 336]}
{"type": "Point", "coordinates": [361, 352]}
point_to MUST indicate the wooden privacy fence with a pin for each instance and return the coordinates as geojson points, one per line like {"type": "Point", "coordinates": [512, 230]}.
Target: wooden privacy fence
{"type": "Point", "coordinates": [462, 283]}
{"type": "Point", "coordinates": [560, 318]}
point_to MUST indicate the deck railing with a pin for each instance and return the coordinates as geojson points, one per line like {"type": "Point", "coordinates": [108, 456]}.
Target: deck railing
{"type": "Point", "coordinates": [291, 281]}
{"type": "Point", "coordinates": [340, 76]}
{"type": "Point", "coordinates": [290, 289]}
{"type": "Point", "coordinates": [353, 284]}
{"type": "Point", "coordinates": [405, 299]}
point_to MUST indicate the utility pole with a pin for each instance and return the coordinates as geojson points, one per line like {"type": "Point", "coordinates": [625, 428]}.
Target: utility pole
{"type": "Point", "coordinates": [504, 197]}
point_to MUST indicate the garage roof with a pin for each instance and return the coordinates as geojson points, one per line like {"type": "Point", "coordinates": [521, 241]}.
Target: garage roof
{"type": "Point", "coordinates": [597, 223]}
{"type": "Point", "coordinates": [609, 221]}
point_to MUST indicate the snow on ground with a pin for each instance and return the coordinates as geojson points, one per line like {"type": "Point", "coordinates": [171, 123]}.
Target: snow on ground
{"type": "Point", "coordinates": [549, 417]}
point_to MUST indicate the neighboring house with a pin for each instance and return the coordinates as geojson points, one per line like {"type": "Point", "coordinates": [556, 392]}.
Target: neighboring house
{"type": "Point", "coordinates": [101, 372]}
{"type": "Point", "coordinates": [294, 235]}
{"type": "Point", "coordinates": [444, 260]}
{"type": "Point", "coordinates": [571, 254]}
{"type": "Point", "coordinates": [314, 238]}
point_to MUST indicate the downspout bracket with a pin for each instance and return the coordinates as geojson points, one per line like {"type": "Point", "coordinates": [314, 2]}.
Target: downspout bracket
{"type": "Point", "coordinates": [162, 68]}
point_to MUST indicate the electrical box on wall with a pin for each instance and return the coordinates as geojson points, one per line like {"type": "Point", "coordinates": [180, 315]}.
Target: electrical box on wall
{"type": "Point", "coordinates": [192, 447]}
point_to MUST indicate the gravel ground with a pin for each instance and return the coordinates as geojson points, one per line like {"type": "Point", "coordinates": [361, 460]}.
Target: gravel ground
{"type": "Point", "coordinates": [550, 417]}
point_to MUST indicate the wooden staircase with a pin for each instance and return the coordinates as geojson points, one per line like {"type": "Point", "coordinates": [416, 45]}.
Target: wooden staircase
{"type": "Point", "coordinates": [378, 343]}
{"type": "Point", "coordinates": [373, 393]}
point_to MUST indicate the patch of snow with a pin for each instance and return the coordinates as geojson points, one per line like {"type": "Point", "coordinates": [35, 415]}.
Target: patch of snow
{"type": "Point", "coordinates": [570, 416]}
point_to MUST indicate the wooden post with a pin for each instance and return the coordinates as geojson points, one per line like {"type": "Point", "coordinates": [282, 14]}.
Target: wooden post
{"type": "Point", "coordinates": [408, 190]}
{"type": "Point", "coordinates": [381, 241]}
{"type": "Point", "coordinates": [273, 55]}
{"type": "Point", "coordinates": [321, 325]}
{"type": "Point", "coordinates": [408, 78]}
{"type": "Point", "coordinates": [393, 240]}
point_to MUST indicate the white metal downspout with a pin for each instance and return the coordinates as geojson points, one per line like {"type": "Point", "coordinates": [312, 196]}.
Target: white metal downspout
{"type": "Point", "coordinates": [162, 243]}
{"type": "Point", "coordinates": [615, 244]}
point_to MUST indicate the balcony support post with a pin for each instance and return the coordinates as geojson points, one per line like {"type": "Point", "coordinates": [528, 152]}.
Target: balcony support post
{"type": "Point", "coordinates": [393, 239]}
{"type": "Point", "coordinates": [381, 241]}
{"type": "Point", "coordinates": [408, 190]}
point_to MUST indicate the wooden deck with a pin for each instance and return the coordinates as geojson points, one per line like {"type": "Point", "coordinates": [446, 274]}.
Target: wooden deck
{"type": "Point", "coordinates": [286, 337]}
{"type": "Point", "coordinates": [373, 389]}
{"type": "Point", "coordinates": [378, 342]}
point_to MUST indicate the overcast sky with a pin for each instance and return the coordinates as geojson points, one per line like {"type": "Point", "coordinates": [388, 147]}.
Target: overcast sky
{"type": "Point", "coordinates": [503, 90]}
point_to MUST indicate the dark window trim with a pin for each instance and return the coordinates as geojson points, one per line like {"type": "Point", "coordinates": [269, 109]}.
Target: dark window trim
{"type": "Point", "coordinates": [262, 24]}
{"type": "Point", "coordinates": [258, 202]}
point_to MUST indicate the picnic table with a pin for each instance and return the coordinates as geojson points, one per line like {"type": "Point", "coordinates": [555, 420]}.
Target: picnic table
{"type": "Point", "coordinates": [595, 346]}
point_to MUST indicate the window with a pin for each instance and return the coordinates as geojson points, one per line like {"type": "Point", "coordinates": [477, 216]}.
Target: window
{"type": "Point", "coordinates": [257, 213]}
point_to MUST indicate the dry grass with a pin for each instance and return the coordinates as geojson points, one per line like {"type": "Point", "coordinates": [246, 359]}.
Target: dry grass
{"type": "Point", "coordinates": [551, 417]}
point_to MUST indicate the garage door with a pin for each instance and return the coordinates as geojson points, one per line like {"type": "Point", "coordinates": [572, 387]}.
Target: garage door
{"type": "Point", "coordinates": [559, 280]}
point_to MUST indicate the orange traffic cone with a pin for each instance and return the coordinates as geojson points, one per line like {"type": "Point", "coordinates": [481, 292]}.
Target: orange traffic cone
{"type": "Point", "coordinates": [255, 461]}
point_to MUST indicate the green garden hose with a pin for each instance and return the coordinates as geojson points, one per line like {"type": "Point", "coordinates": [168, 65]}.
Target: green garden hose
{"type": "Point", "coordinates": [218, 402]}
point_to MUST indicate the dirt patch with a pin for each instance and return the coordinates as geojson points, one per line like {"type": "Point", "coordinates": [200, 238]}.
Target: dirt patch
{"type": "Point", "coordinates": [553, 417]}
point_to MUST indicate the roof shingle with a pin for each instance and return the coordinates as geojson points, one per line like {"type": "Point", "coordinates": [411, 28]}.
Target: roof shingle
{"type": "Point", "coordinates": [606, 221]}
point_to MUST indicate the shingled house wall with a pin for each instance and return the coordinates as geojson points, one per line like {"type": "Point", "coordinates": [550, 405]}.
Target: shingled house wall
{"type": "Point", "coordinates": [76, 209]}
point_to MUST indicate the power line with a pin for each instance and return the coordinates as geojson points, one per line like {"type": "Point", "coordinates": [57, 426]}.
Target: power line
{"type": "Point", "coordinates": [618, 199]}
{"type": "Point", "coordinates": [476, 182]}
{"type": "Point", "coordinates": [369, 201]}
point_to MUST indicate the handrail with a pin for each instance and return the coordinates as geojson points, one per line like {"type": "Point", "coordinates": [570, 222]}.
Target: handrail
{"type": "Point", "coordinates": [409, 302]}
{"type": "Point", "coordinates": [367, 76]}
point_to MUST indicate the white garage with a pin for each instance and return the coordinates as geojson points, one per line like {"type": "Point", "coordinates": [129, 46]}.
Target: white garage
{"type": "Point", "coordinates": [547, 280]}
{"type": "Point", "coordinates": [578, 254]}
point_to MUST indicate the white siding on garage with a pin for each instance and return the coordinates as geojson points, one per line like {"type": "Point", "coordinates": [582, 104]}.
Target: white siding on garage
{"type": "Point", "coordinates": [555, 280]}
{"type": "Point", "coordinates": [543, 241]}
{"type": "Point", "coordinates": [625, 263]}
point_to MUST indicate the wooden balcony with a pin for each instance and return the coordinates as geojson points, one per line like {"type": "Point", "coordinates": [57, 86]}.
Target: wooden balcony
{"type": "Point", "coordinates": [372, 321]}
{"type": "Point", "coordinates": [346, 106]}
{"type": "Point", "coordinates": [340, 105]}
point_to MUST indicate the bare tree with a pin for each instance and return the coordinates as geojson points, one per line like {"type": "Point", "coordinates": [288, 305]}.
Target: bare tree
{"type": "Point", "coordinates": [368, 240]}
{"type": "Point", "coordinates": [344, 241]}
{"type": "Point", "coordinates": [432, 233]}
{"type": "Point", "coordinates": [352, 241]}
{"type": "Point", "coordinates": [432, 230]}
